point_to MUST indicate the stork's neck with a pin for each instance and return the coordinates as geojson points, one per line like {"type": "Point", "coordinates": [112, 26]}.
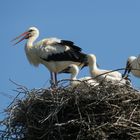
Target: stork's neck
{"type": "Point", "coordinates": [31, 41]}
{"type": "Point", "coordinates": [93, 68]}
{"type": "Point", "coordinates": [93, 65]}
{"type": "Point", "coordinates": [74, 74]}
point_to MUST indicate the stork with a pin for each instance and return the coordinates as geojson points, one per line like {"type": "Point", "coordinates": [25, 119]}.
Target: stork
{"type": "Point", "coordinates": [100, 74]}
{"type": "Point", "coordinates": [54, 53]}
{"type": "Point", "coordinates": [74, 71]}
{"type": "Point", "coordinates": [133, 66]}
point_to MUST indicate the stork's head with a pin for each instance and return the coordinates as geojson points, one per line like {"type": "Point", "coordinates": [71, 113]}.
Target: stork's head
{"type": "Point", "coordinates": [131, 59]}
{"type": "Point", "coordinates": [129, 62]}
{"type": "Point", "coordinates": [31, 32]}
{"type": "Point", "coordinates": [128, 66]}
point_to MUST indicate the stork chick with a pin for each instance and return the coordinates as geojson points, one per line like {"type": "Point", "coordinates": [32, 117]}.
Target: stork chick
{"type": "Point", "coordinates": [100, 74]}
{"type": "Point", "coordinates": [74, 71]}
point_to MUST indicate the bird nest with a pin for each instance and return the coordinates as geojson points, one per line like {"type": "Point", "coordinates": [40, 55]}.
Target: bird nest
{"type": "Point", "coordinates": [103, 112]}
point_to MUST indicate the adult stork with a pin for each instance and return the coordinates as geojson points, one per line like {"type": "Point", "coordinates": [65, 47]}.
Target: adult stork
{"type": "Point", "coordinates": [133, 66]}
{"type": "Point", "coordinates": [100, 74]}
{"type": "Point", "coordinates": [74, 71]}
{"type": "Point", "coordinates": [54, 53]}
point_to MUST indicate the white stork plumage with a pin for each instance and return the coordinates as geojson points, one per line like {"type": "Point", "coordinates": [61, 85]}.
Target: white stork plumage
{"type": "Point", "coordinates": [133, 66]}
{"type": "Point", "coordinates": [74, 71]}
{"type": "Point", "coordinates": [100, 74]}
{"type": "Point", "coordinates": [54, 53]}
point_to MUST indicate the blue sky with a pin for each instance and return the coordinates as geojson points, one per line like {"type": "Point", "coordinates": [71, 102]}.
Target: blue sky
{"type": "Point", "coordinates": [110, 29]}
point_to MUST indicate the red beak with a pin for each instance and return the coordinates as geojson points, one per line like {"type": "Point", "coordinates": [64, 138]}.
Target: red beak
{"type": "Point", "coordinates": [23, 35]}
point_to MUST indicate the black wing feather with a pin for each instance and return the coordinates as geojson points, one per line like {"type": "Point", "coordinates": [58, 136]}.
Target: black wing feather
{"type": "Point", "coordinates": [69, 55]}
{"type": "Point", "coordinates": [73, 54]}
{"type": "Point", "coordinates": [70, 44]}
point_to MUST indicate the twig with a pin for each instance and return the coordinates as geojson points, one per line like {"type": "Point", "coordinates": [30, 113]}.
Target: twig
{"type": "Point", "coordinates": [133, 112]}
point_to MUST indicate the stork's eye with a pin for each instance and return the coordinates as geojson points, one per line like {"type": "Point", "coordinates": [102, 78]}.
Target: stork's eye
{"type": "Point", "coordinates": [30, 30]}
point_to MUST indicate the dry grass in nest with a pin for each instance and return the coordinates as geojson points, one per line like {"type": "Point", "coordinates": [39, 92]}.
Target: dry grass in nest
{"type": "Point", "coordinates": [104, 112]}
